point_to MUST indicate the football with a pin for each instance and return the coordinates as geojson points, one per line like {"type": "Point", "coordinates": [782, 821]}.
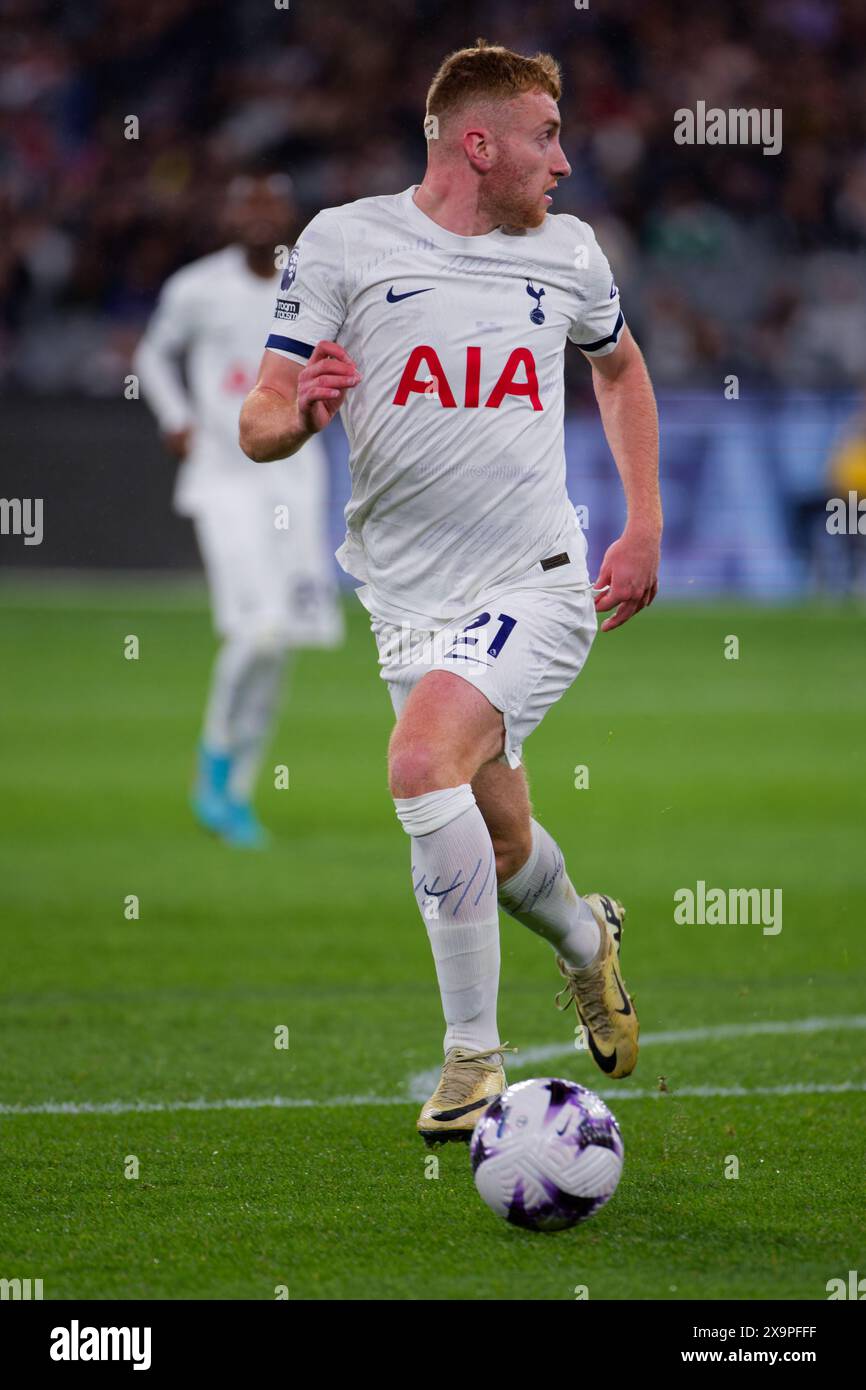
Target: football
{"type": "Point", "coordinates": [546, 1154]}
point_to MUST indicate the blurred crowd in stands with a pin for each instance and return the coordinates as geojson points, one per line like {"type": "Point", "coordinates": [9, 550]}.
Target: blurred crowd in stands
{"type": "Point", "coordinates": [729, 260]}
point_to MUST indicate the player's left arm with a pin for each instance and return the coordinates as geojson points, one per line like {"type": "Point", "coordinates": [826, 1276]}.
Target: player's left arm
{"type": "Point", "coordinates": [629, 570]}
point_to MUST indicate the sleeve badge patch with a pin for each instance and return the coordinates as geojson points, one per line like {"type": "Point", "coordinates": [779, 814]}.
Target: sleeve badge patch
{"type": "Point", "coordinates": [291, 269]}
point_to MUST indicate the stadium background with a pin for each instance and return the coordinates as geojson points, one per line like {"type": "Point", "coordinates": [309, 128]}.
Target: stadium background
{"type": "Point", "coordinates": [729, 261]}
{"type": "Point", "coordinates": [153, 1037]}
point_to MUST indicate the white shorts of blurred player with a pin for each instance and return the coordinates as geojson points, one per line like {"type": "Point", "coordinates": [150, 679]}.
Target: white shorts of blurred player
{"type": "Point", "coordinates": [268, 564]}
{"type": "Point", "coordinates": [522, 651]}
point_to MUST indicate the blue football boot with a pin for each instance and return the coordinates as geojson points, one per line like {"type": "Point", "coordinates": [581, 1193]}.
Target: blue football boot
{"type": "Point", "coordinates": [210, 802]}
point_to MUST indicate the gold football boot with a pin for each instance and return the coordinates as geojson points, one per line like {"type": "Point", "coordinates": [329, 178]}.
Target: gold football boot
{"type": "Point", "coordinates": [469, 1082]}
{"type": "Point", "coordinates": [603, 1005]}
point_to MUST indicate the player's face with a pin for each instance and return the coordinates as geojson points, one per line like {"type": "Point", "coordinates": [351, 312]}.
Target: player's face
{"type": "Point", "coordinates": [259, 217]}
{"type": "Point", "coordinates": [528, 163]}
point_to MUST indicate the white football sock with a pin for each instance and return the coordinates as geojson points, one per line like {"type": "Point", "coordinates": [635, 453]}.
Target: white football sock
{"type": "Point", "coordinates": [543, 898]}
{"type": "Point", "coordinates": [454, 878]}
{"type": "Point", "coordinates": [241, 707]}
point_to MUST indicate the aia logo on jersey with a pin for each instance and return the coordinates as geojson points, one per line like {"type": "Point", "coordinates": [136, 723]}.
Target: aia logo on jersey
{"type": "Point", "coordinates": [518, 377]}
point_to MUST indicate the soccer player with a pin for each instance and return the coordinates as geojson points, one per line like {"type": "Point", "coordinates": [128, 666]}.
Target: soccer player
{"type": "Point", "coordinates": [435, 320]}
{"type": "Point", "coordinates": [261, 532]}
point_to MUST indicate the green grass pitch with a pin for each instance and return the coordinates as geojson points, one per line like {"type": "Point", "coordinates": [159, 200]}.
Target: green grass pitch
{"type": "Point", "coordinates": [743, 773]}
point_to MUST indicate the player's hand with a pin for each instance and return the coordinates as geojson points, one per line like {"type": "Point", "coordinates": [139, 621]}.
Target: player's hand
{"type": "Point", "coordinates": [629, 572]}
{"type": "Point", "coordinates": [322, 385]}
{"type": "Point", "coordinates": [177, 442]}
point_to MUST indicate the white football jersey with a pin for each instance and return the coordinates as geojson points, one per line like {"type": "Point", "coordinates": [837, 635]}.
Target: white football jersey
{"type": "Point", "coordinates": [456, 429]}
{"type": "Point", "coordinates": [214, 313]}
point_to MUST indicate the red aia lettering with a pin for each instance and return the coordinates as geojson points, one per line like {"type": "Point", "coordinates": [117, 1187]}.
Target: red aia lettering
{"type": "Point", "coordinates": [433, 380]}
{"type": "Point", "coordinates": [410, 381]}
{"type": "Point", "coordinates": [507, 386]}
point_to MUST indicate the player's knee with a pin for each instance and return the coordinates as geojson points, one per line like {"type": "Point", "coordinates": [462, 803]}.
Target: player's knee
{"type": "Point", "coordinates": [417, 768]}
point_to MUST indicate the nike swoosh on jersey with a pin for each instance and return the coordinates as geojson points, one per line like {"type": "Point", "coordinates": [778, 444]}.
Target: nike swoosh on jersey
{"type": "Point", "coordinates": [393, 298]}
{"type": "Point", "coordinates": [467, 1109]}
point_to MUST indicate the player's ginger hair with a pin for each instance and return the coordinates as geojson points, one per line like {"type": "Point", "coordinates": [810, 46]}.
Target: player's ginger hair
{"type": "Point", "coordinates": [487, 73]}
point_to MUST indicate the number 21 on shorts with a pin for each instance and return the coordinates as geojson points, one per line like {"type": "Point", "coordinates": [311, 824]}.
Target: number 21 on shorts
{"type": "Point", "coordinates": [464, 641]}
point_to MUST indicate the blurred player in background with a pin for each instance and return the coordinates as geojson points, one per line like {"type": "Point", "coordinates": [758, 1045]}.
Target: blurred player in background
{"type": "Point", "coordinates": [453, 302]}
{"type": "Point", "coordinates": [261, 532]}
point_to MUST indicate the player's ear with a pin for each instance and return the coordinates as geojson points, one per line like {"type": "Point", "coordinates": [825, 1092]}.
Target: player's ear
{"type": "Point", "coordinates": [479, 148]}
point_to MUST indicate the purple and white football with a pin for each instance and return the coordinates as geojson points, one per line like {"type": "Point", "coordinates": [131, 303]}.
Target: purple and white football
{"type": "Point", "coordinates": [546, 1154]}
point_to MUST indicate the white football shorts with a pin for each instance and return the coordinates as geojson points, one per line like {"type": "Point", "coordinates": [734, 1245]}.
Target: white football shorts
{"type": "Point", "coordinates": [268, 564]}
{"type": "Point", "coordinates": [522, 651]}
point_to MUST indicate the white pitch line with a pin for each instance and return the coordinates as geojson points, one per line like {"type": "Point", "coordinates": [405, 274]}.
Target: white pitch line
{"type": "Point", "coordinates": [158, 1107]}
{"type": "Point", "coordinates": [422, 1083]}
{"type": "Point", "coordinates": [712, 1033]}
{"type": "Point", "coordinates": [793, 1088]}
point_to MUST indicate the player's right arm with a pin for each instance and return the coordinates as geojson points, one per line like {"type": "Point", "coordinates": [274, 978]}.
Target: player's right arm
{"type": "Point", "coordinates": [305, 374]}
{"type": "Point", "coordinates": [289, 402]}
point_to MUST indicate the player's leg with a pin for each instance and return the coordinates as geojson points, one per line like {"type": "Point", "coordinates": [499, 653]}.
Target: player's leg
{"type": "Point", "coordinates": [247, 674]}
{"type": "Point", "coordinates": [444, 732]}
{"type": "Point", "coordinates": [239, 717]}
{"type": "Point", "coordinates": [446, 729]}
{"type": "Point", "coordinates": [585, 932]}
{"type": "Point", "coordinates": [534, 886]}
{"type": "Point", "coordinates": [548, 642]}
